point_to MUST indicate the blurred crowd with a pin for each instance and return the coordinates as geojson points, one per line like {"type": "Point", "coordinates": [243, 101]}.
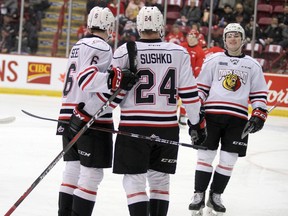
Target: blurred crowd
{"type": "Point", "coordinates": [191, 15]}
{"type": "Point", "coordinates": [195, 14]}
{"type": "Point", "coordinates": [9, 25]}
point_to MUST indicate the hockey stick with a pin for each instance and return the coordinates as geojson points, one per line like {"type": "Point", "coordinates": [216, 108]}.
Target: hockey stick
{"type": "Point", "coordinates": [132, 55]}
{"type": "Point", "coordinates": [248, 127]}
{"type": "Point", "coordinates": [7, 120]}
{"type": "Point", "coordinates": [124, 133]}
{"type": "Point", "coordinates": [64, 151]}
{"type": "Point", "coordinates": [132, 52]}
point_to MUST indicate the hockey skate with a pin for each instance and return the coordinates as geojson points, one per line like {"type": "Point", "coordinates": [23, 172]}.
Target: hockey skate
{"type": "Point", "coordinates": [215, 206]}
{"type": "Point", "coordinates": [182, 120]}
{"type": "Point", "coordinates": [198, 203]}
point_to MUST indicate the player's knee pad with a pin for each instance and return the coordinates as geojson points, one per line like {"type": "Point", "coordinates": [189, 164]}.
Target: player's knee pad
{"type": "Point", "coordinates": [88, 183]}
{"type": "Point", "coordinates": [135, 188]}
{"type": "Point", "coordinates": [90, 178]}
{"type": "Point", "coordinates": [226, 164]}
{"type": "Point", "coordinates": [159, 185]}
{"type": "Point", "coordinates": [70, 177]}
{"type": "Point", "coordinates": [205, 160]}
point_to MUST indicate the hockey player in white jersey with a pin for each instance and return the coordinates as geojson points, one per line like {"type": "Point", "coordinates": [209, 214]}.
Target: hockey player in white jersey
{"type": "Point", "coordinates": [88, 82]}
{"type": "Point", "coordinates": [227, 81]}
{"type": "Point", "coordinates": [150, 108]}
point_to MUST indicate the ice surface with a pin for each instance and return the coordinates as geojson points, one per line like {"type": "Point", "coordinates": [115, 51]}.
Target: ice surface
{"type": "Point", "coordinates": [258, 187]}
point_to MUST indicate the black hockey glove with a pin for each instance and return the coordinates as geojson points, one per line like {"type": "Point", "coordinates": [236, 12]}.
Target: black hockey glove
{"type": "Point", "coordinates": [198, 132]}
{"type": "Point", "coordinates": [257, 119]}
{"type": "Point", "coordinates": [124, 79]}
{"type": "Point", "coordinates": [79, 118]}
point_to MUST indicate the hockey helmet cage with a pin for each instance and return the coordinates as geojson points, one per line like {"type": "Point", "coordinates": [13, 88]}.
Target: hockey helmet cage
{"type": "Point", "coordinates": [101, 18]}
{"type": "Point", "coordinates": [234, 27]}
{"type": "Point", "coordinates": [150, 18]}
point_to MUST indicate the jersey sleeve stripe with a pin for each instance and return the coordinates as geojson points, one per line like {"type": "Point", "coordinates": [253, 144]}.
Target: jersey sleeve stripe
{"type": "Point", "coordinates": [188, 88]}
{"type": "Point", "coordinates": [188, 95]}
{"type": "Point", "coordinates": [85, 76]}
{"type": "Point", "coordinates": [260, 92]}
{"type": "Point", "coordinates": [190, 101]}
{"type": "Point", "coordinates": [226, 103]}
{"type": "Point", "coordinates": [147, 112]}
{"type": "Point", "coordinates": [92, 75]}
{"type": "Point", "coordinates": [89, 69]}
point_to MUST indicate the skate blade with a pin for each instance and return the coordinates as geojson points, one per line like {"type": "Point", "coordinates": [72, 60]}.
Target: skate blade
{"type": "Point", "coordinates": [211, 212]}
{"type": "Point", "coordinates": [197, 212]}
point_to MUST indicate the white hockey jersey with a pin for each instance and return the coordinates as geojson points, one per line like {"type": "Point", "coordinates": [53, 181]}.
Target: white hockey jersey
{"type": "Point", "coordinates": [86, 75]}
{"type": "Point", "coordinates": [165, 73]}
{"type": "Point", "coordinates": [227, 83]}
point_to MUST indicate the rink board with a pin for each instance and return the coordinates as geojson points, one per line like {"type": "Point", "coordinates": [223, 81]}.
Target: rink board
{"type": "Point", "coordinates": [35, 75]}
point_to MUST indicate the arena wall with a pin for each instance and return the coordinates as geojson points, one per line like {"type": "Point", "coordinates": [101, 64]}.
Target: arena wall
{"type": "Point", "coordinates": [34, 75]}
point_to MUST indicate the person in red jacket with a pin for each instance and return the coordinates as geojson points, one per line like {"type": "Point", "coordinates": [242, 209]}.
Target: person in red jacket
{"type": "Point", "coordinates": [175, 36]}
{"type": "Point", "coordinates": [211, 50]}
{"type": "Point", "coordinates": [197, 56]}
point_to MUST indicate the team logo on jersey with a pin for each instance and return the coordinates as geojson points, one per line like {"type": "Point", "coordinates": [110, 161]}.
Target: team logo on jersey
{"type": "Point", "coordinates": [234, 61]}
{"type": "Point", "coordinates": [231, 82]}
{"type": "Point", "coordinates": [39, 73]}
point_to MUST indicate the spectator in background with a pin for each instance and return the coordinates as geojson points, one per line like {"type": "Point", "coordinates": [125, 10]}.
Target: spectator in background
{"type": "Point", "coordinates": [30, 30]}
{"type": "Point", "coordinates": [113, 6]}
{"type": "Point", "coordinates": [127, 30]}
{"type": "Point", "coordinates": [284, 42]}
{"type": "Point", "coordinates": [283, 17]}
{"type": "Point", "coordinates": [195, 50]}
{"type": "Point", "coordinates": [272, 34]}
{"type": "Point", "coordinates": [227, 16]}
{"type": "Point", "coordinates": [190, 14]}
{"type": "Point", "coordinates": [82, 30]}
{"type": "Point", "coordinates": [240, 19]}
{"type": "Point", "coordinates": [240, 10]}
{"type": "Point", "coordinates": [209, 51]}
{"type": "Point", "coordinates": [7, 43]}
{"type": "Point", "coordinates": [9, 31]}
{"type": "Point", "coordinates": [175, 36]}
{"type": "Point", "coordinates": [222, 3]}
{"type": "Point", "coordinates": [248, 6]}
{"type": "Point", "coordinates": [39, 7]}
{"type": "Point", "coordinates": [197, 56]}
{"type": "Point", "coordinates": [206, 4]}
{"type": "Point", "coordinates": [196, 26]}
{"type": "Point", "coordinates": [132, 9]}
{"type": "Point", "coordinates": [154, 3]}
{"type": "Point", "coordinates": [249, 31]}
{"type": "Point", "coordinates": [205, 18]}
{"type": "Point", "coordinates": [92, 3]}
{"type": "Point", "coordinates": [11, 6]}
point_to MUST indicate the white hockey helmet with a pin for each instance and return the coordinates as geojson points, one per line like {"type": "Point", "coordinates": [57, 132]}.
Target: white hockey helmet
{"type": "Point", "coordinates": [234, 27]}
{"type": "Point", "coordinates": [150, 18]}
{"type": "Point", "coordinates": [101, 18]}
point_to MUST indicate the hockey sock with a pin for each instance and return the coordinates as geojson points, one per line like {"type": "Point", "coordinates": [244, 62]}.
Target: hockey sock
{"type": "Point", "coordinates": [158, 207]}
{"type": "Point", "coordinates": [202, 180]}
{"type": "Point", "coordinates": [65, 204]}
{"type": "Point", "coordinates": [139, 209]}
{"type": "Point", "coordinates": [82, 206]}
{"type": "Point", "coordinates": [219, 183]}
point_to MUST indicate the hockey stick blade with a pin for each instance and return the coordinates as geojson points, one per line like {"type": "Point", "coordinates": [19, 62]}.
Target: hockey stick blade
{"type": "Point", "coordinates": [150, 138]}
{"type": "Point", "coordinates": [7, 120]}
{"type": "Point", "coordinates": [63, 152]}
{"type": "Point", "coordinates": [247, 130]}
